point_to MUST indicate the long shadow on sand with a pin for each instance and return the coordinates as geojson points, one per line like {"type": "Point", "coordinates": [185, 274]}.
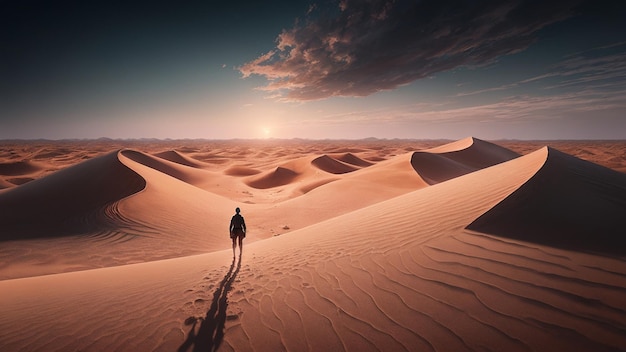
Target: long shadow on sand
{"type": "Point", "coordinates": [211, 332]}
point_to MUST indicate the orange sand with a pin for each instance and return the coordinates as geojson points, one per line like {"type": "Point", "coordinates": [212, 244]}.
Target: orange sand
{"type": "Point", "coordinates": [352, 245]}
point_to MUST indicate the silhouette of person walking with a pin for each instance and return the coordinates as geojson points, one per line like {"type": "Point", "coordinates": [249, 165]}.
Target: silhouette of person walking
{"type": "Point", "coordinates": [237, 230]}
{"type": "Point", "coordinates": [210, 334]}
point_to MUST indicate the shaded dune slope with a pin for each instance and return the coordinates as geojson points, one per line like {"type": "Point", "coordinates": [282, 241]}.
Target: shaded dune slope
{"type": "Point", "coordinates": [303, 169]}
{"type": "Point", "coordinates": [167, 167]}
{"type": "Point", "coordinates": [185, 173]}
{"type": "Point", "coordinates": [352, 159]}
{"type": "Point", "coordinates": [176, 157]}
{"type": "Point", "coordinates": [5, 184]}
{"type": "Point", "coordinates": [331, 165]}
{"type": "Point", "coordinates": [241, 171]}
{"type": "Point", "coordinates": [17, 168]}
{"type": "Point", "coordinates": [68, 202]}
{"type": "Point", "coordinates": [280, 176]}
{"type": "Point", "coordinates": [458, 158]}
{"type": "Point", "coordinates": [569, 203]}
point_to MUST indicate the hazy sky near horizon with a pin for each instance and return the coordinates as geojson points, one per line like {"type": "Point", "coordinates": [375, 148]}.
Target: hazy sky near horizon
{"type": "Point", "coordinates": [313, 69]}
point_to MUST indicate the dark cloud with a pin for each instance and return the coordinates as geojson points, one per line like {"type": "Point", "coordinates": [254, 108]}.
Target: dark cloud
{"type": "Point", "coordinates": [364, 46]}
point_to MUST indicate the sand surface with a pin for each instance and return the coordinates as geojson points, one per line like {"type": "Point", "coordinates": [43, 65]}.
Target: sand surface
{"type": "Point", "coordinates": [351, 245]}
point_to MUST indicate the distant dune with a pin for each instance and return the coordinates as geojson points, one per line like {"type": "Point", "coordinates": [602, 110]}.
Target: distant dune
{"type": "Point", "coordinates": [18, 168]}
{"type": "Point", "coordinates": [458, 158]}
{"type": "Point", "coordinates": [333, 166]}
{"type": "Point", "coordinates": [352, 159]}
{"type": "Point", "coordinates": [176, 157]}
{"type": "Point", "coordinates": [366, 245]}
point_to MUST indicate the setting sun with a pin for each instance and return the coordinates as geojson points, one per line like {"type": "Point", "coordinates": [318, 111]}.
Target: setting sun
{"type": "Point", "coordinates": [266, 132]}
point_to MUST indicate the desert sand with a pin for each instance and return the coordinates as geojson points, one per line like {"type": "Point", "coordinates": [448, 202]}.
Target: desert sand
{"type": "Point", "coordinates": [371, 245]}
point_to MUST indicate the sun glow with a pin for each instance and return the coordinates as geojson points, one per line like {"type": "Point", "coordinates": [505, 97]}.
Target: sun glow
{"type": "Point", "coordinates": [266, 132]}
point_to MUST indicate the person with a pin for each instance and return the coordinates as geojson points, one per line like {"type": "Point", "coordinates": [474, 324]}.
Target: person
{"type": "Point", "coordinates": [237, 230]}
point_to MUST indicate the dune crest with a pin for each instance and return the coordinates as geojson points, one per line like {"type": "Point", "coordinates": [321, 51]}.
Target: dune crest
{"type": "Point", "coordinates": [163, 165]}
{"type": "Point", "coordinates": [331, 165]}
{"type": "Point", "coordinates": [352, 159]}
{"type": "Point", "coordinates": [278, 177]}
{"type": "Point", "coordinates": [176, 157]}
{"type": "Point", "coordinates": [458, 158]}
{"type": "Point", "coordinates": [69, 202]}
{"type": "Point", "coordinates": [569, 203]}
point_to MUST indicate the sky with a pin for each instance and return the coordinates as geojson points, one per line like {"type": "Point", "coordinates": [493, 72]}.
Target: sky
{"type": "Point", "coordinates": [348, 69]}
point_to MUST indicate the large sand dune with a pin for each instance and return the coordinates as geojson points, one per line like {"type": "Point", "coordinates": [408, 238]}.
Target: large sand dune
{"type": "Point", "coordinates": [62, 204]}
{"type": "Point", "coordinates": [369, 257]}
{"type": "Point", "coordinates": [569, 203]}
{"type": "Point", "coordinates": [458, 158]}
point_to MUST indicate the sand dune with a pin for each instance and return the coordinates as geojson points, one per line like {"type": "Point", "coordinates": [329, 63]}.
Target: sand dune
{"type": "Point", "coordinates": [329, 195]}
{"type": "Point", "coordinates": [176, 157]}
{"type": "Point", "coordinates": [333, 166]}
{"type": "Point", "coordinates": [68, 202]}
{"type": "Point", "coordinates": [458, 158]}
{"type": "Point", "coordinates": [183, 214]}
{"type": "Point", "coordinates": [18, 168]}
{"type": "Point", "coordinates": [569, 203]}
{"type": "Point", "coordinates": [352, 159]}
{"type": "Point", "coordinates": [241, 171]}
{"type": "Point", "coordinates": [278, 177]}
{"type": "Point", "coordinates": [303, 169]}
{"type": "Point", "coordinates": [5, 184]}
{"type": "Point", "coordinates": [186, 174]}
{"type": "Point", "coordinates": [372, 259]}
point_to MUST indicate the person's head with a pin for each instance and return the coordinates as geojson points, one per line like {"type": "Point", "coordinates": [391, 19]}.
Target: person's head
{"type": "Point", "coordinates": [237, 210]}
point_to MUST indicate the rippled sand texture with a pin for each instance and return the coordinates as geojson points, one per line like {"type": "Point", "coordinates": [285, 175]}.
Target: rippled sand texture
{"type": "Point", "coordinates": [369, 245]}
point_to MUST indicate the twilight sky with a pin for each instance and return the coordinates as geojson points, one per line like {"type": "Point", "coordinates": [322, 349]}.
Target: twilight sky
{"type": "Point", "coordinates": [313, 69]}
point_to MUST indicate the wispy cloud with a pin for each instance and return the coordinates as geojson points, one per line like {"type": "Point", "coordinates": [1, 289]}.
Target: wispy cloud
{"type": "Point", "coordinates": [519, 108]}
{"type": "Point", "coordinates": [595, 70]}
{"type": "Point", "coordinates": [368, 46]}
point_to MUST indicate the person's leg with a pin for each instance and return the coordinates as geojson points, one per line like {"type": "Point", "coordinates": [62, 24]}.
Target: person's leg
{"type": "Point", "coordinates": [240, 244]}
{"type": "Point", "coordinates": [234, 245]}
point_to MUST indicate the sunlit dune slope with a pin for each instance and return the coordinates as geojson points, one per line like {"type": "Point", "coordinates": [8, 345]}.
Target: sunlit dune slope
{"type": "Point", "coordinates": [569, 203]}
{"type": "Point", "coordinates": [185, 173]}
{"type": "Point", "coordinates": [69, 202]}
{"type": "Point", "coordinates": [401, 274]}
{"type": "Point", "coordinates": [184, 209]}
{"type": "Point", "coordinates": [404, 275]}
{"type": "Point", "coordinates": [352, 159]}
{"type": "Point", "coordinates": [184, 215]}
{"type": "Point", "coordinates": [332, 195]}
{"type": "Point", "coordinates": [305, 169]}
{"type": "Point", "coordinates": [107, 211]}
{"type": "Point", "coordinates": [458, 158]}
